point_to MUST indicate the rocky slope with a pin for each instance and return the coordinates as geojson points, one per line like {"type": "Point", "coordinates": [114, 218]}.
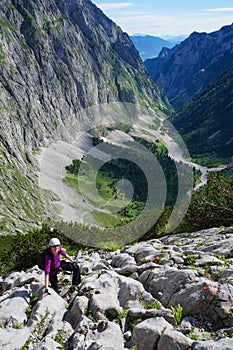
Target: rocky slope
{"type": "Point", "coordinates": [56, 59]}
{"type": "Point", "coordinates": [186, 69]}
{"type": "Point", "coordinates": [205, 122]}
{"type": "Point", "coordinates": [125, 299]}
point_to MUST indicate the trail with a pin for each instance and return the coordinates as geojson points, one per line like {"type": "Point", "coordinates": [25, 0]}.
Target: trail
{"type": "Point", "coordinates": [72, 205]}
{"type": "Point", "coordinates": [175, 151]}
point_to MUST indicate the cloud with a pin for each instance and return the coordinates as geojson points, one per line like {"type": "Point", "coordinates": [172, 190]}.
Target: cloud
{"type": "Point", "coordinates": [115, 5]}
{"type": "Point", "coordinates": [220, 9]}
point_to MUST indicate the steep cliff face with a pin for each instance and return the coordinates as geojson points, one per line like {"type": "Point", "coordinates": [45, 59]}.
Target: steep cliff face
{"type": "Point", "coordinates": [185, 70]}
{"type": "Point", "coordinates": [205, 122]}
{"type": "Point", "coordinates": [56, 58]}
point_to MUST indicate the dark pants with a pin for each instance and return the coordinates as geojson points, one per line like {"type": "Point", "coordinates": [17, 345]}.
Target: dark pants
{"type": "Point", "coordinates": [66, 266]}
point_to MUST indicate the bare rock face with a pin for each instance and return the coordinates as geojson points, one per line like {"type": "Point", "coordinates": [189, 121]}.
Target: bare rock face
{"type": "Point", "coordinates": [189, 67]}
{"type": "Point", "coordinates": [184, 306]}
{"type": "Point", "coordinates": [56, 59]}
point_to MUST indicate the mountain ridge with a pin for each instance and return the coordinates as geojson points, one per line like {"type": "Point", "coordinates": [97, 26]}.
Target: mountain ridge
{"type": "Point", "coordinates": [56, 59]}
{"type": "Point", "coordinates": [211, 110]}
{"type": "Point", "coordinates": [149, 46]}
{"type": "Point", "coordinates": [201, 57]}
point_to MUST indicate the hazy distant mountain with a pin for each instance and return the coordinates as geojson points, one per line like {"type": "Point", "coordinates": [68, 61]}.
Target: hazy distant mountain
{"type": "Point", "coordinates": [189, 67]}
{"type": "Point", "coordinates": [206, 122]}
{"type": "Point", "coordinates": [174, 39]}
{"type": "Point", "coordinates": [149, 46]}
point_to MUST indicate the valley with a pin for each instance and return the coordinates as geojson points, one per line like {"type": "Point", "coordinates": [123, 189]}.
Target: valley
{"type": "Point", "coordinates": [129, 164]}
{"type": "Point", "coordinates": [86, 205]}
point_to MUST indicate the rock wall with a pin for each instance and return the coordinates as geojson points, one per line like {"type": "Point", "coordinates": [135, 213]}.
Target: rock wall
{"type": "Point", "coordinates": [57, 58]}
{"type": "Point", "coordinates": [189, 67]}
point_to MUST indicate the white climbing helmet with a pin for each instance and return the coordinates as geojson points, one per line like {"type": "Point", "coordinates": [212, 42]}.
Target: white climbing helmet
{"type": "Point", "coordinates": [54, 241]}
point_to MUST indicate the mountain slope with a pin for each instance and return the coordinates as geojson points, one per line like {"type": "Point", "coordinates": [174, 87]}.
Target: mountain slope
{"type": "Point", "coordinates": [56, 58]}
{"type": "Point", "coordinates": [206, 122]}
{"type": "Point", "coordinates": [188, 68]}
{"type": "Point", "coordinates": [149, 46]}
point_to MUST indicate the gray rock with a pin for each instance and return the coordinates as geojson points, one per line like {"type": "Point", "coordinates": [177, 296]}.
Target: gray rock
{"type": "Point", "coordinates": [11, 338]}
{"type": "Point", "coordinates": [108, 337]}
{"type": "Point", "coordinates": [122, 260]}
{"type": "Point", "coordinates": [113, 311]}
{"type": "Point", "coordinates": [174, 340]}
{"type": "Point", "coordinates": [185, 326]}
{"type": "Point", "coordinates": [165, 282]}
{"type": "Point", "coordinates": [13, 308]}
{"type": "Point", "coordinates": [78, 309]}
{"type": "Point", "coordinates": [222, 344]}
{"type": "Point", "coordinates": [112, 292]}
{"type": "Point", "coordinates": [49, 344]}
{"type": "Point", "coordinates": [146, 334]}
{"type": "Point", "coordinates": [47, 82]}
{"type": "Point", "coordinates": [208, 259]}
{"type": "Point", "coordinates": [20, 278]}
{"type": "Point", "coordinates": [51, 307]}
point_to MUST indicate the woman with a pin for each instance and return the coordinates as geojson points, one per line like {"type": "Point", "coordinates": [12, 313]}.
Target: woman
{"type": "Point", "coordinates": [53, 265]}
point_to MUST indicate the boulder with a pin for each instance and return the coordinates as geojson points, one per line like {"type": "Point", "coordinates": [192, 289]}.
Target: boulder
{"type": "Point", "coordinates": [80, 305]}
{"type": "Point", "coordinates": [174, 340]}
{"type": "Point", "coordinates": [13, 308]}
{"type": "Point", "coordinates": [222, 344]}
{"type": "Point", "coordinates": [105, 335]}
{"type": "Point", "coordinates": [147, 333]}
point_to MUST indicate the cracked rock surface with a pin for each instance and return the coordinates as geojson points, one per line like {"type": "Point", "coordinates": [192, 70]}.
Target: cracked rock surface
{"type": "Point", "coordinates": [174, 292]}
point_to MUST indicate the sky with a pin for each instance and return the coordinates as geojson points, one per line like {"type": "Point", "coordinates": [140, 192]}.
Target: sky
{"type": "Point", "coordinates": [168, 17]}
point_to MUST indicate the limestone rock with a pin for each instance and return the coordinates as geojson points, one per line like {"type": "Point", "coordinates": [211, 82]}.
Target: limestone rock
{"type": "Point", "coordinates": [180, 307]}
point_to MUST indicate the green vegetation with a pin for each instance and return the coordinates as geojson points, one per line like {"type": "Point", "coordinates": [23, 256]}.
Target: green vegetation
{"type": "Point", "coordinates": [18, 325]}
{"type": "Point", "coordinates": [122, 315]}
{"type": "Point", "coordinates": [199, 244]}
{"type": "Point", "coordinates": [27, 343]}
{"type": "Point", "coordinates": [153, 305]}
{"type": "Point", "coordinates": [211, 205]}
{"type": "Point", "coordinates": [21, 251]}
{"type": "Point", "coordinates": [195, 334]}
{"type": "Point", "coordinates": [19, 194]}
{"type": "Point", "coordinates": [206, 122]}
{"type": "Point", "coordinates": [113, 179]}
{"type": "Point", "coordinates": [190, 259]}
{"type": "Point", "coordinates": [61, 338]}
{"type": "Point", "coordinates": [44, 318]}
{"type": "Point", "coordinates": [178, 313]}
{"type": "Point", "coordinates": [33, 300]}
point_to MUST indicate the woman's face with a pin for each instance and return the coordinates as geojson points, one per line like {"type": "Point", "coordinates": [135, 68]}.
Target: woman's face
{"type": "Point", "coordinates": [55, 249]}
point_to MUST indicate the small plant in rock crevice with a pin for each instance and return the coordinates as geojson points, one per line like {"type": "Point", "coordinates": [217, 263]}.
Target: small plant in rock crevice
{"type": "Point", "coordinates": [61, 339]}
{"type": "Point", "coordinates": [178, 313]}
{"type": "Point", "coordinates": [26, 344]}
{"type": "Point", "coordinates": [19, 325]}
{"type": "Point", "coordinates": [33, 300]}
{"type": "Point", "coordinates": [42, 322]}
{"type": "Point", "coordinates": [122, 315]}
{"type": "Point", "coordinates": [134, 347]}
{"type": "Point", "coordinates": [195, 334]}
{"type": "Point", "coordinates": [152, 305]}
{"type": "Point", "coordinates": [190, 259]}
